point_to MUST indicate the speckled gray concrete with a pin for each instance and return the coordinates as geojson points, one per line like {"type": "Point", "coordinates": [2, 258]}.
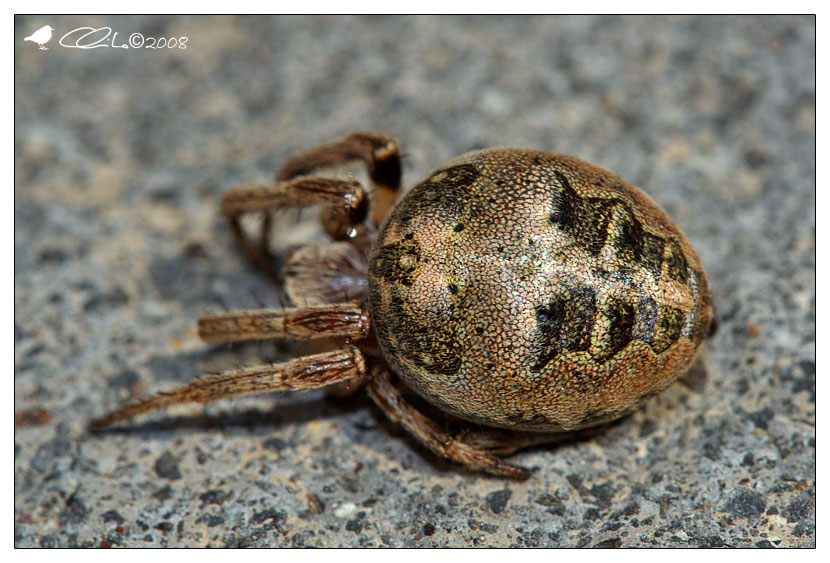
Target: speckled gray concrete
{"type": "Point", "coordinates": [121, 157]}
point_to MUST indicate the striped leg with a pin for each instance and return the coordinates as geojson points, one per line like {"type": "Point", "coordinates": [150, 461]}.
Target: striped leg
{"type": "Point", "coordinates": [345, 204]}
{"type": "Point", "coordinates": [397, 409]}
{"type": "Point", "coordinates": [308, 372]}
{"type": "Point", "coordinates": [339, 319]}
{"type": "Point", "coordinates": [381, 154]}
{"type": "Point", "coordinates": [345, 200]}
{"type": "Point", "coordinates": [348, 320]}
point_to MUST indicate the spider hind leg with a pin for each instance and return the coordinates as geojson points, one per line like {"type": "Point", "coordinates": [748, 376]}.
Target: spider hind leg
{"type": "Point", "coordinates": [393, 404]}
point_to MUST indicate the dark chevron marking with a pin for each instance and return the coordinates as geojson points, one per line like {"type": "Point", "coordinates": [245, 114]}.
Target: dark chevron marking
{"type": "Point", "coordinates": [669, 326]}
{"type": "Point", "coordinates": [590, 221]}
{"type": "Point", "coordinates": [633, 244]}
{"type": "Point", "coordinates": [549, 321]}
{"type": "Point", "coordinates": [565, 205]}
{"type": "Point", "coordinates": [675, 263]}
{"type": "Point", "coordinates": [565, 323]}
{"type": "Point", "coordinates": [622, 317]}
{"type": "Point", "coordinates": [585, 220]}
{"type": "Point", "coordinates": [568, 321]}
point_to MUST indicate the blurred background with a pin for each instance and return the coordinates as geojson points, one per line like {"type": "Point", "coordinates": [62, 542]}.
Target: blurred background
{"type": "Point", "coordinates": [122, 154]}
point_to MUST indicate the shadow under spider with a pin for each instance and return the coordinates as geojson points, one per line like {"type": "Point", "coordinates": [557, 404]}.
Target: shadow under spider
{"type": "Point", "coordinates": [454, 426]}
{"type": "Point", "coordinates": [250, 419]}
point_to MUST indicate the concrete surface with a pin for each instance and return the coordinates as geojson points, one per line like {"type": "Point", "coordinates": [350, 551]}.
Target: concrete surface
{"type": "Point", "coordinates": [121, 156]}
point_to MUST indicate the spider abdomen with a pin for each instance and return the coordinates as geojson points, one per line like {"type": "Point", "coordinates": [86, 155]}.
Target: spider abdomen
{"type": "Point", "coordinates": [535, 291]}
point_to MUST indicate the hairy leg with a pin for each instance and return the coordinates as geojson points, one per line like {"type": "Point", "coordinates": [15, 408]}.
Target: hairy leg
{"type": "Point", "coordinates": [348, 320]}
{"type": "Point", "coordinates": [380, 153]}
{"type": "Point", "coordinates": [345, 200]}
{"type": "Point", "coordinates": [504, 442]}
{"type": "Point", "coordinates": [345, 205]}
{"type": "Point", "coordinates": [392, 403]}
{"type": "Point", "coordinates": [339, 319]}
{"type": "Point", "coordinates": [308, 372]}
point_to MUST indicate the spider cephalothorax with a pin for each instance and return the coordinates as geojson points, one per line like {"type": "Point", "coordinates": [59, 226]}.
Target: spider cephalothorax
{"type": "Point", "coordinates": [529, 292]}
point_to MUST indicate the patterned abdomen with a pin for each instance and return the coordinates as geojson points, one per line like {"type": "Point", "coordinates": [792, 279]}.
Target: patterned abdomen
{"type": "Point", "coordinates": [535, 291]}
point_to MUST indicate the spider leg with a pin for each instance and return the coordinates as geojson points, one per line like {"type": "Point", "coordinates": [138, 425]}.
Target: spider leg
{"type": "Point", "coordinates": [346, 201]}
{"type": "Point", "coordinates": [339, 319]}
{"type": "Point", "coordinates": [397, 409]}
{"type": "Point", "coordinates": [504, 442]}
{"type": "Point", "coordinates": [308, 372]}
{"type": "Point", "coordinates": [381, 154]}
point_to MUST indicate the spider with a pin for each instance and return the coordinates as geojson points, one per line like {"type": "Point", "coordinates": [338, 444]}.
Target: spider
{"type": "Point", "coordinates": [526, 293]}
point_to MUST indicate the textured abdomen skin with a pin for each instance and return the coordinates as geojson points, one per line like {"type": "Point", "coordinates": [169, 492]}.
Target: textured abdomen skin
{"type": "Point", "coordinates": [535, 291]}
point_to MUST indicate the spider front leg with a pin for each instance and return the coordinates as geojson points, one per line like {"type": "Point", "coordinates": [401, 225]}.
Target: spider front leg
{"type": "Point", "coordinates": [346, 320]}
{"type": "Point", "coordinates": [346, 201]}
{"type": "Point", "coordinates": [392, 403]}
{"type": "Point", "coordinates": [380, 153]}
